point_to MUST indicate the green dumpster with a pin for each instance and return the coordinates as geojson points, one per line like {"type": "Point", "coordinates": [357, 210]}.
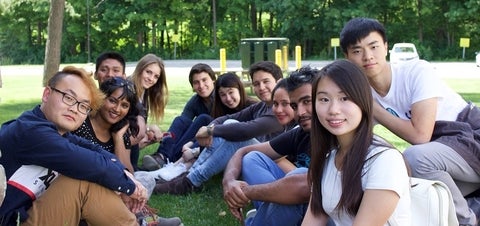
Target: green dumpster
{"type": "Point", "coordinates": [253, 50]}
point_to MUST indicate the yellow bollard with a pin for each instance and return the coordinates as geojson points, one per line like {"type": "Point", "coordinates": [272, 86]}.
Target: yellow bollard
{"type": "Point", "coordinates": [278, 58]}
{"type": "Point", "coordinates": [298, 57]}
{"type": "Point", "coordinates": [285, 57]}
{"type": "Point", "coordinates": [223, 60]}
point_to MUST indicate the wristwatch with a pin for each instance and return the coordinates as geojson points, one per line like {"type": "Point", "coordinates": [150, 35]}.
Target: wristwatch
{"type": "Point", "coordinates": [210, 129]}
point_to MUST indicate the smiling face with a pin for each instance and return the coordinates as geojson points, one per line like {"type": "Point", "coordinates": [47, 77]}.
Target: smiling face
{"type": "Point", "coordinates": [202, 84]}
{"type": "Point", "coordinates": [263, 84]}
{"type": "Point", "coordinates": [66, 118]}
{"type": "Point", "coordinates": [150, 75]}
{"type": "Point", "coordinates": [281, 106]}
{"type": "Point", "coordinates": [109, 68]}
{"type": "Point", "coordinates": [114, 108]}
{"type": "Point", "coordinates": [301, 103]}
{"type": "Point", "coordinates": [229, 96]}
{"type": "Point", "coordinates": [335, 111]}
{"type": "Point", "coordinates": [370, 54]}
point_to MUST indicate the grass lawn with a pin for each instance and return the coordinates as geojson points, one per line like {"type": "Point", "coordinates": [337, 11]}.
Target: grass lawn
{"type": "Point", "coordinates": [22, 92]}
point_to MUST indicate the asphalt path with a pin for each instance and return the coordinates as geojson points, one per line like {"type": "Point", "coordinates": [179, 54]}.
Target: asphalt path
{"type": "Point", "coordinates": [182, 67]}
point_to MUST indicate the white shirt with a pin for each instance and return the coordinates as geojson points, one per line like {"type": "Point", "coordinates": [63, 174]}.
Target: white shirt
{"type": "Point", "coordinates": [415, 81]}
{"type": "Point", "coordinates": [386, 171]}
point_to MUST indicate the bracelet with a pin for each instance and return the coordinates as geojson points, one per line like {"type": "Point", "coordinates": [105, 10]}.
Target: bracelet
{"type": "Point", "coordinates": [210, 129]}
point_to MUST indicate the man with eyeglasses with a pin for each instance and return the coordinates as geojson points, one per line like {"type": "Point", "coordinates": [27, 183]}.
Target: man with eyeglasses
{"type": "Point", "coordinates": [280, 195]}
{"type": "Point", "coordinates": [56, 178]}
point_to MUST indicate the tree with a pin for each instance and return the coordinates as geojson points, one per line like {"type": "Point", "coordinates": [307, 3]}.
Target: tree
{"type": "Point", "coordinates": [54, 40]}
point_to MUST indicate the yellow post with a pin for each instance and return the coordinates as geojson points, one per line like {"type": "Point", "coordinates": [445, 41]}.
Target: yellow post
{"type": "Point", "coordinates": [223, 60]}
{"type": "Point", "coordinates": [278, 57]}
{"type": "Point", "coordinates": [285, 57]}
{"type": "Point", "coordinates": [298, 57]}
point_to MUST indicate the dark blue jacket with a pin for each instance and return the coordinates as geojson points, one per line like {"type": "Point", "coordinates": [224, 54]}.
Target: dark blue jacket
{"type": "Point", "coordinates": [196, 106]}
{"type": "Point", "coordinates": [33, 140]}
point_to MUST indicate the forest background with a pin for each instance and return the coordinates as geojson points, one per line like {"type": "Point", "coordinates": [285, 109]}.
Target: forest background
{"type": "Point", "coordinates": [196, 29]}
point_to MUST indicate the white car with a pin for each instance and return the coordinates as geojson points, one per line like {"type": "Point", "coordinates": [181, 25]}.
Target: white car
{"type": "Point", "coordinates": [478, 59]}
{"type": "Point", "coordinates": [403, 52]}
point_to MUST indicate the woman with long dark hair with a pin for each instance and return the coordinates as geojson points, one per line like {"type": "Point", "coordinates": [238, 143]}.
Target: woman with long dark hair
{"type": "Point", "coordinates": [357, 178]}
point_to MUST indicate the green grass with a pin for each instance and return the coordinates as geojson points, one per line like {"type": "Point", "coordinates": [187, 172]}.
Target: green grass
{"type": "Point", "coordinates": [22, 92]}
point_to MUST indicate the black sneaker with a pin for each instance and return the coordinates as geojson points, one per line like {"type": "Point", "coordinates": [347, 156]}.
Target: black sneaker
{"type": "Point", "coordinates": [153, 162]}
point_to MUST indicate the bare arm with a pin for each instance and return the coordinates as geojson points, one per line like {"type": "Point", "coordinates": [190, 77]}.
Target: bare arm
{"type": "Point", "coordinates": [120, 150]}
{"type": "Point", "coordinates": [292, 189]}
{"type": "Point", "coordinates": [419, 129]}
{"type": "Point", "coordinates": [311, 219]}
{"type": "Point", "coordinates": [142, 128]}
{"type": "Point", "coordinates": [372, 212]}
{"type": "Point", "coordinates": [232, 188]}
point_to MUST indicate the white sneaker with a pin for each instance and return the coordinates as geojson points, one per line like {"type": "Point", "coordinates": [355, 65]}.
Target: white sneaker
{"type": "Point", "coordinates": [170, 171]}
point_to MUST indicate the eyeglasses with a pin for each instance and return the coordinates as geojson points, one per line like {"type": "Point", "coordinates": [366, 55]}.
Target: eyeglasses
{"type": "Point", "coordinates": [71, 100]}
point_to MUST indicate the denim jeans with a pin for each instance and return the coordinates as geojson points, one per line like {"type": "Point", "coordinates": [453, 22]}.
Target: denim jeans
{"type": "Point", "coordinates": [257, 168]}
{"type": "Point", "coordinates": [184, 130]}
{"type": "Point", "coordinates": [214, 159]}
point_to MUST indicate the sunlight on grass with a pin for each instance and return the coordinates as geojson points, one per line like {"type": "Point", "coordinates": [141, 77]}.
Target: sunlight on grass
{"type": "Point", "coordinates": [23, 91]}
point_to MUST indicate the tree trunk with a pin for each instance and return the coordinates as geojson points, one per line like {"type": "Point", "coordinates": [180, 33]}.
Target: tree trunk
{"type": "Point", "coordinates": [253, 18]}
{"type": "Point", "coordinates": [54, 40]}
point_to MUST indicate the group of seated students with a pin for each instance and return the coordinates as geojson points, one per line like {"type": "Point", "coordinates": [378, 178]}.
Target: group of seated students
{"type": "Point", "coordinates": [304, 154]}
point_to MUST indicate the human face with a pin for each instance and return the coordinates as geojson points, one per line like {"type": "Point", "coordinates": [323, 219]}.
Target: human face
{"type": "Point", "coordinates": [114, 108]}
{"type": "Point", "coordinates": [229, 96]}
{"type": "Point", "coordinates": [109, 68]}
{"type": "Point", "coordinates": [66, 118]}
{"type": "Point", "coordinates": [202, 84]}
{"type": "Point", "coordinates": [370, 55]}
{"type": "Point", "coordinates": [301, 103]}
{"type": "Point", "coordinates": [150, 75]}
{"type": "Point", "coordinates": [263, 84]}
{"type": "Point", "coordinates": [281, 106]}
{"type": "Point", "coordinates": [336, 112]}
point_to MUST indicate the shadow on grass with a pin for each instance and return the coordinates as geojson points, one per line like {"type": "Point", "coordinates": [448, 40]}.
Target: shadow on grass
{"type": "Point", "coordinates": [10, 111]}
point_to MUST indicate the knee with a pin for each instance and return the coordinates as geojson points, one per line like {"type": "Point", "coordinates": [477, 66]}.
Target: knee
{"type": "Point", "coordinates": [418, 160]}
{"type": "Point", "coordinates": [204, 119]}
{"type": "Point", "coordinates": [251, 157]}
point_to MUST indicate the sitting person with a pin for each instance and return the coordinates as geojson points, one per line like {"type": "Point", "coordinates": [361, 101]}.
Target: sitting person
{"type": "Point", "coordinates": [230, 97]}
{"type": "Point", "coordinates": [57, 178]}
{"type": "Point", "coordinates": [195, 114]}
{"type": "Point", "coordinates": [109, 65]}
{"type": "Point", "coordinates": [115, 121]}
{"type": "Point", "coordinates": [357, 178]}
{"type": "Point", "coordinates": [416, 105]}
{"type": "Point", "coordinates": [111, 127]}
{"type": "Point", "coordinates": [279, 190]}
{"type": "Point", "coordinates": [228, 133]}
{"type": "Point", "coordinates": [150, 82]}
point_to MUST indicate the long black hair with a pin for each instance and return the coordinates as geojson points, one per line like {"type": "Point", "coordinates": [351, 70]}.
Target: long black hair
{"type": "Point", "coordinates": [111, 85]}
{"type": "Point", "coordinates": [351, 80]}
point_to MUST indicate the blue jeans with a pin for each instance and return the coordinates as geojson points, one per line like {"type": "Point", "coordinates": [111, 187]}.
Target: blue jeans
{"type": "Point", "coordinates": [213, 160]}
{"type": "Point", "coordinates": [257, 168]}
{"type": "Point", "coordinates": [184, 130]}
